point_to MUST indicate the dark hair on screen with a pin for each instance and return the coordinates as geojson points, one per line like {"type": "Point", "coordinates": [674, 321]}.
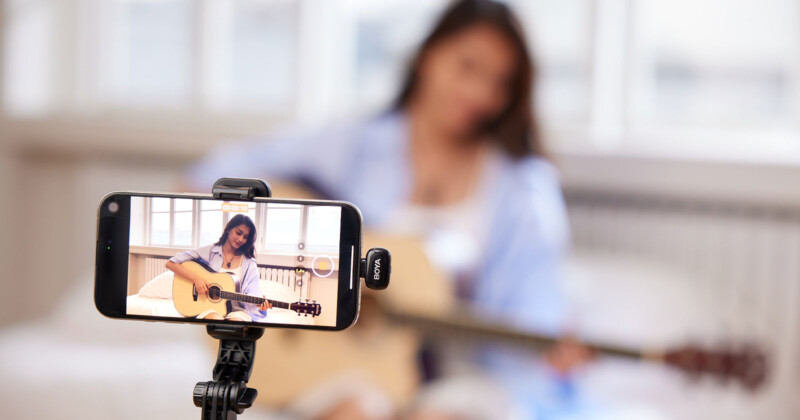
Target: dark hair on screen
{"type": "Point", "coordinates": [249, 248]}
{"type": "Point", "coordinates": [515, 129]}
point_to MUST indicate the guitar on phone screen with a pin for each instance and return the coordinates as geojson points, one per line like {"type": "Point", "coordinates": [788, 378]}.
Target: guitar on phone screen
{"type": "Point", "coordinates": [222, 289]}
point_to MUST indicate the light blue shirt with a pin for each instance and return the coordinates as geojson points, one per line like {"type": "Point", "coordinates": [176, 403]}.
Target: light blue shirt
{"type": "Point", "coordinates": [212, 256]}
{"type": "Point", "coordinates": [368, 164]}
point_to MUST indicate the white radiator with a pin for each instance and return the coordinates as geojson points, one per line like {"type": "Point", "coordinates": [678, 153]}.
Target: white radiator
{"type": "Point", "coordinates": [288, 278]}
{"type": "Point", "coordinates": [746, 258]}
{"type": "Point", "coordinates": [154, 266]}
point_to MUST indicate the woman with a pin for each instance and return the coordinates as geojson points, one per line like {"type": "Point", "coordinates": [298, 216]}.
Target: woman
{"type": "Point", "coordinates": [458, 158]}
{"type": "Point", "coordinates": [234, 253]}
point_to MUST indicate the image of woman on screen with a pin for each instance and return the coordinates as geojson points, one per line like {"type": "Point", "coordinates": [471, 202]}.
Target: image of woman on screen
{"type": "Point", "coordinates": [233, 253]}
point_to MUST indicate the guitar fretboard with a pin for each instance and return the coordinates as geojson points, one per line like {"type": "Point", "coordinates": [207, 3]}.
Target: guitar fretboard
{"type": "Point", "coordinates": [240, 297]}
{"type": "Point", "coordinates": [470, 326]}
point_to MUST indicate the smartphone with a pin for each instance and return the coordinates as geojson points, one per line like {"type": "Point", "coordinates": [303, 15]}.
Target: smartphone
{"type": "Point", "coordinates": [193, 258]}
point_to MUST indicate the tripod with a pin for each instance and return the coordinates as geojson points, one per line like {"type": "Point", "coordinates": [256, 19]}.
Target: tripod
{"type": "Point", "coordinates": [227, 395]}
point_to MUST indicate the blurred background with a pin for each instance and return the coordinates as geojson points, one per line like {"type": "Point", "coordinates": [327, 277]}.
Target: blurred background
{"type": "Point", "coordinates": [675, 125]}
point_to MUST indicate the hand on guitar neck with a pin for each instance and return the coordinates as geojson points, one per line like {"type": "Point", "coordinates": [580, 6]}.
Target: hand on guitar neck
{"type": "Point", "coordinates": [266, 305]}
{"type": "Point", "coordinates": [567, 355]}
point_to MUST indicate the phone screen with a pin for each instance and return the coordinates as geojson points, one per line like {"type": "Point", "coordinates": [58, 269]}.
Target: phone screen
{"type": "Point", "coordinates": [276, 262]}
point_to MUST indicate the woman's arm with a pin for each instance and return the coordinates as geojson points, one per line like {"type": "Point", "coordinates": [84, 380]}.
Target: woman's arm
{"type": "Point", "coordinates": [174, 265]}
{"type": "Point", "coordinates": [199, 282]}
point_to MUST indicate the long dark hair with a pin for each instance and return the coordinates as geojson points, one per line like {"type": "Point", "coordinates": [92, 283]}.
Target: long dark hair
{"type": "Point", "coordinates": [249, 248]}
{"type": "Point", "coordinates": [515, 129]}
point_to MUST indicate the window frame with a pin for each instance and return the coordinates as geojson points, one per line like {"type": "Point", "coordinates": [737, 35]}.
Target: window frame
{"type": "Point", "coordinates": [261, 210]}
{"type": "Point", "coordinates": [608, 129]}
{"type": "Point", "coordinates": [148, 225]}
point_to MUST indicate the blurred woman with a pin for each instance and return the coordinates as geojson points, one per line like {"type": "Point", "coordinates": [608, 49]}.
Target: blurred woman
{"type": "Point", "coordinates": [459, 159]}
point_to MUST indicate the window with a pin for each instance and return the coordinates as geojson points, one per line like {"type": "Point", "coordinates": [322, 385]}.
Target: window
{"type": "Point", "coordinates": [384, 44]}
{"type": "Point", "coordinates": [559, 34]}
{"type": "Point", "coordinates": [160, 221]}
{"type": "Point", "coordinates": [29, 57]}
{"type": "Point", "coordinates": [170, 221]}
{"type": "Point", "coordinates": [251, 53]}
{"type": "Point", "coordinates": [173, 221]}
{"type": "Point", "coordinates": [616, 75]}
{"type": "Point", "coordinates": [287, 228]}
{"type": "Point", "coordinates": [727, 63]}
{"type": "Point", "coordinates": [284, 227]}
{"type": "Point", "coordinates": [295, 227]}
{"type": "Point", "coordinates": [212, 221]}
{"type": "Point", "coordinates": [150, 53]}
{"type": "Point", "coordinates": [187, 57]}
{"type": "Point", "coordinates": [323, 228]}
{"type": "Point", "coordinates": [182, 215]}
{"type": "Point", "coordinates": [214, 217]}
{"type": "Point", "coordinates": [215, 56]}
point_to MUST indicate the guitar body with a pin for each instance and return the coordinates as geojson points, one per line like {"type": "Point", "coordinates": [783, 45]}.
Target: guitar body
{"type": "Point", "coordinates": [191, 304]}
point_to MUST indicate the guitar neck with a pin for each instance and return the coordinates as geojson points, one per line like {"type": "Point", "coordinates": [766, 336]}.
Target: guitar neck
{"type": "Point", "coordinates": [473, 329]}
{"type": "Point", "coordinates": [748, 364]}
{"type": "Point", "coordinates": [239, 297]}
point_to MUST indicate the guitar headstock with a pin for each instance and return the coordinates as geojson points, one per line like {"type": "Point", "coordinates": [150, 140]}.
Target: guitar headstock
{"type": "Point", "coordinates": [746, 365]}
{"type": "Point", "coordinates": [306, 308]}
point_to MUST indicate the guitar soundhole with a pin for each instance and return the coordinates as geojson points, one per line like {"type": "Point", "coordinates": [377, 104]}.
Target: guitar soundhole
{"type": "Point", "coordinates": [213, 293]}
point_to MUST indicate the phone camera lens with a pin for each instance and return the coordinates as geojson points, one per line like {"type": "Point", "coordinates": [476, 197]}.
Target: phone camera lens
{"type": "Point", "coordinates": [113, 207]}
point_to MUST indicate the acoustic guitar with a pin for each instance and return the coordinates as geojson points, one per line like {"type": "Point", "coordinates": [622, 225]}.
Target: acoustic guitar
{"type": "Point", "coordinates": [221, 289]}
{"type": "Point", "coordinates": [383, 347]}
{"type": "Point", "coordinates": [745, 363]}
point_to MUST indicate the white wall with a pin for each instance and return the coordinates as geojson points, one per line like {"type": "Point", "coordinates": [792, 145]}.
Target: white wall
{"type": "Point", "coordinates": [49, 228]}
{"type": "Point", "coordinates": [6, 201]}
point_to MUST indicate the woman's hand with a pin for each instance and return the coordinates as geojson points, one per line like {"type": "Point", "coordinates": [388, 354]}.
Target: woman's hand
{"type": "Point", "coordinates": [200, 284]}
{"type": "Point", "coordinates": [266, 305]}
{"type": "Point", "coordinates": [568, 355]}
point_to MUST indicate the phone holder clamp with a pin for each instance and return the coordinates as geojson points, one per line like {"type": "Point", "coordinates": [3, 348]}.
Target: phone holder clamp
{"type": "Point", "coordinates": [241, 188]}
